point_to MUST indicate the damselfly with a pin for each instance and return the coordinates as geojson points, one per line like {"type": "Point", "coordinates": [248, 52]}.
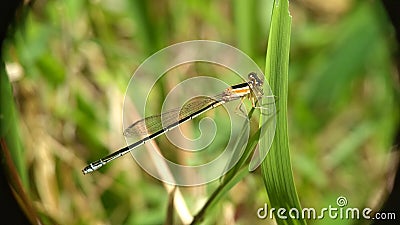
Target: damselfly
{"type": "Point", "coordinates": [154, 126]}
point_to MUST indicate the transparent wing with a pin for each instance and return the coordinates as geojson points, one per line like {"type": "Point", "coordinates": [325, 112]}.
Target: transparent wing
{"type": "Point", "coordinates": [153, 124]}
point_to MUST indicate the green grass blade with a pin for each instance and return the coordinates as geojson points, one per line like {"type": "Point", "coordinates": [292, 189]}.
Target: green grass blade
{"type": "Point", "coordinates": [238, 171]}
{"type": "Point", "coordinates": [12, 160]}
{"type": "Point", "coordinates": [9, 126]}
{"type": "Point", "coordinates": [220, 192]}
{"type": "Point", "coordinates": [238, 152]}
{"type": "Point", "coordinates": [243, 12]}
{"type": "Point", "coordinates": [277, 169]}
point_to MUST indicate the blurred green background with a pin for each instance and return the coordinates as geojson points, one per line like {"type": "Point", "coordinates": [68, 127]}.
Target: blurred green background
{"type": "Point", "coordinates": [70, 61]}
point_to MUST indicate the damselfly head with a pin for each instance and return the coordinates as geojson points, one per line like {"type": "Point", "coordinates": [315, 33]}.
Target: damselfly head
{"type": "Point", "coordinates": [254, 80]}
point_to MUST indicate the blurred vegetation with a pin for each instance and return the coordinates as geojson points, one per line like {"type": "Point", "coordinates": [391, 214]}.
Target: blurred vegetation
{"type": "Point", "coordinates": [70, 62]}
